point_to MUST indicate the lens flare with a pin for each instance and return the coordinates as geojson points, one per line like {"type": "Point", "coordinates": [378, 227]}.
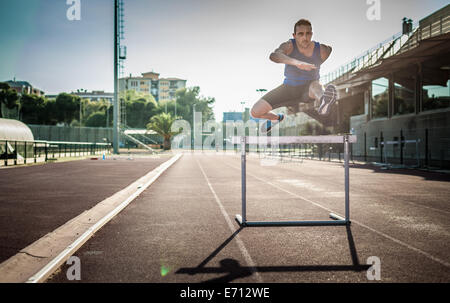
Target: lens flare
{"type": "Point", "coordinates": [164, 270]}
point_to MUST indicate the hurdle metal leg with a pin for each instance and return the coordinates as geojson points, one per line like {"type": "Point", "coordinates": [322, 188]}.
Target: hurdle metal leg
{"type": "Point", "coordinates": [337, 220]}
{"type": "Point", "coordinates": [243, 179]}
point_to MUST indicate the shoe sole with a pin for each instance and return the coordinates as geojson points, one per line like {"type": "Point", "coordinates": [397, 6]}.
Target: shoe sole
{"type": "Point", "coordinates": [261, 130]}
{"type": "Point", "coordinates": [329, 96]}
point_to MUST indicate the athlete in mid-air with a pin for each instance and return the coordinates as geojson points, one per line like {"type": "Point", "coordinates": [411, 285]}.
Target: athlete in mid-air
{"type": "Point", "coordinates": [302, 58]}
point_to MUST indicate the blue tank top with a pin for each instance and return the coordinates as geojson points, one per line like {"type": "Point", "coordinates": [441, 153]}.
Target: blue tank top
{"type": "Point", "coordinates": [295, 76]}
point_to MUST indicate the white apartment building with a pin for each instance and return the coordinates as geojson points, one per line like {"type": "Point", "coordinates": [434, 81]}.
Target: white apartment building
{"type": "Point", "coordinates": [162, 89]}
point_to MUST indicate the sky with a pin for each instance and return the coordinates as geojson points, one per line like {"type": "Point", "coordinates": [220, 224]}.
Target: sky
{"type": "Point", "coordinates": [222, 46]}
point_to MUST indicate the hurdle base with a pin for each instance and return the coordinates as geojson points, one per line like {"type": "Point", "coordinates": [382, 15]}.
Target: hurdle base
{"type": "Point", "coordinates": [238, 218]}
{"type": "Point", "coordinates": [336, 217]}
{"type": "Point", "coordinates": [338, 221]}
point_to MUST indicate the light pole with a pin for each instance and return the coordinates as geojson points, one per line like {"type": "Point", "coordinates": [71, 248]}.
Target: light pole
{"type": "Point", "coordinates": [81, 108]}
{"type": "Point", "coordinates": [193, 124]}
{"type": "Point", "coordinates": [116, 103]}
{"type": "Point", "coordinates": [261, 90]}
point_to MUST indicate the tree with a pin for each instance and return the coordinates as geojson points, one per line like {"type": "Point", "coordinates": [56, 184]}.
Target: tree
{"type": "Point", "coordinates": [97, 119]}
{"type": "Point", "coordinates": [187, 97]}
{"type": "Point", "coordinates": [162, 124]}
{"type": "Point", "coordinates": [67, 107]}
{"type": "Point", "coordinates": [48, 115]}
{"type": "Point", "coordinates": [135, 113]}
{"type": "Point", "coordinates": [31, 109]}
{"type": "Point", "coordinates": [139, 107]}
{"type": "Point", "coordinates": [8, 97]}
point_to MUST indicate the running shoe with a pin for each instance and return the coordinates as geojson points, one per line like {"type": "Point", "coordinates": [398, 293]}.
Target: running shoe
{"type": "Point", "coordinates": [266, 127]}
{"type": "Point", "coordinates": [327, 100]}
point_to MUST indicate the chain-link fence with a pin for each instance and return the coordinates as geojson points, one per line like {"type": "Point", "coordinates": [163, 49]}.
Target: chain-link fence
{"type": "Point", "coordinates": [71, 134]}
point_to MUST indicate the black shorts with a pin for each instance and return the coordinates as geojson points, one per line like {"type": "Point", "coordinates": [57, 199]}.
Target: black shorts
{"type": "Point", "coordinates": [289, 96]}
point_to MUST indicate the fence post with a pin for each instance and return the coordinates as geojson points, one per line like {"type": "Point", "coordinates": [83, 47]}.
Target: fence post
{"type": "Point", "coordinates": [381, 147]}
{"type": "Point", "coordinates": [365, 147]}
{"type": "Point", "coordinates": [401, 147]}
{"type": "Point", "coordinates": [6, 153]}
{"type": "Point", "coordinates": [426, 147]}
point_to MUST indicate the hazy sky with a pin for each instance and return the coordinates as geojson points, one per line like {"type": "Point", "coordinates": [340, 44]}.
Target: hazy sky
{"type": "Point", "coordinates": [220, 45]}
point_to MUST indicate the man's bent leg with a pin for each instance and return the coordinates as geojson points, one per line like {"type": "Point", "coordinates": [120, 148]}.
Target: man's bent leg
{"type": "Point", "coordinates": [262, 110]}
{"type": "Point", "coordinates": [316, 92]}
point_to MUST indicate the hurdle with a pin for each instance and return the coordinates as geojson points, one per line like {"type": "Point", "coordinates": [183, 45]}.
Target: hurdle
{"type": "Point", "coordinates": [337, 220]}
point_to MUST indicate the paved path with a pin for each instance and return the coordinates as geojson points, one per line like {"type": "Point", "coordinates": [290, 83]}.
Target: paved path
{"type": "Point", "coordinates": [182, 228]}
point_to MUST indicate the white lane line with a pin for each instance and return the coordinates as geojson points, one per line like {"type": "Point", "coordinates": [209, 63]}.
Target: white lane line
{"type": "Point", "coordinates": [428, 255]}
{"type": "Point", "coordinates": [239, 242]}
{"type": "Point", "coordinates": [42, 274]}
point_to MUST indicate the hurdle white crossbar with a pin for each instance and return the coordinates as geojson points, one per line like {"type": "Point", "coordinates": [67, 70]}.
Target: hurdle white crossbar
{"type": "Point", "coordinates": [293, 139]}
{"type": "Point", "coordinates": [262, 140]}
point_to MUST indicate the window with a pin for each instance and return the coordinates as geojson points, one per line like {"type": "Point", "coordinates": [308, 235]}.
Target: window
{"type": "Point", "coordinates": [435, 96]}
{"type": "Point", "coordinates": [404, 101]}
{"type": "Point", "coordinates": [380, 97]}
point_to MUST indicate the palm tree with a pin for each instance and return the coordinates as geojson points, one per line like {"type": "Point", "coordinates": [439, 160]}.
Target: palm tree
{"type": "Point", "coordinates": [162, 124]}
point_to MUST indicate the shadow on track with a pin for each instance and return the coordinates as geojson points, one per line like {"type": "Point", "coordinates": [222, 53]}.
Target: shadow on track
{"type": "Point", "coordinates": [234, 270]}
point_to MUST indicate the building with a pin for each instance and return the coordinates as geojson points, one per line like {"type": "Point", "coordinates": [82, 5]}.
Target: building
{"type": "Point", "coordinates": [22, 87]}
{"type": "Point", "coordinates": [396, 97]}
{"type": "Point", "coordinates": [238, 116]}
{"type": "Point", "coordinates": [162, 89]}
{"type": "Point", "coordinates": [232, 116]}
{"type": "Point", "coordinates": [95, 95]}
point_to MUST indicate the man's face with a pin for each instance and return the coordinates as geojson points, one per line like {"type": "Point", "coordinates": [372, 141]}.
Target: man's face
{"type": "Point", "coordinates": [303, 35]}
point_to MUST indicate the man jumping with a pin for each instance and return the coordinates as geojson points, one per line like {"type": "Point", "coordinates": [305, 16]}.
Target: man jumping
{"type": "Point", "coordinates": [302, 58]}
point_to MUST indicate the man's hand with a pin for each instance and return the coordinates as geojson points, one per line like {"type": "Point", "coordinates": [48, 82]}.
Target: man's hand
{"type": "Point", "coordinates": [281, 55]}
{"type": "Point", "coordinates": [304, 65]}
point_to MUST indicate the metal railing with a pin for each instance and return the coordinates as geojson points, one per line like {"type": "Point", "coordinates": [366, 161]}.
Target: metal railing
{"type": "Point", "coordinates": [16, 152]}
{"type": "Point", "coordinates": [398, 43]}
{"type": "Point", "coordinates": [419, 147]}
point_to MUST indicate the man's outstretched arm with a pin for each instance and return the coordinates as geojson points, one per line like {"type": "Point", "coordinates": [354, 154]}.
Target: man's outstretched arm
{"type": "Point", "coordinates": [280, 55]}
